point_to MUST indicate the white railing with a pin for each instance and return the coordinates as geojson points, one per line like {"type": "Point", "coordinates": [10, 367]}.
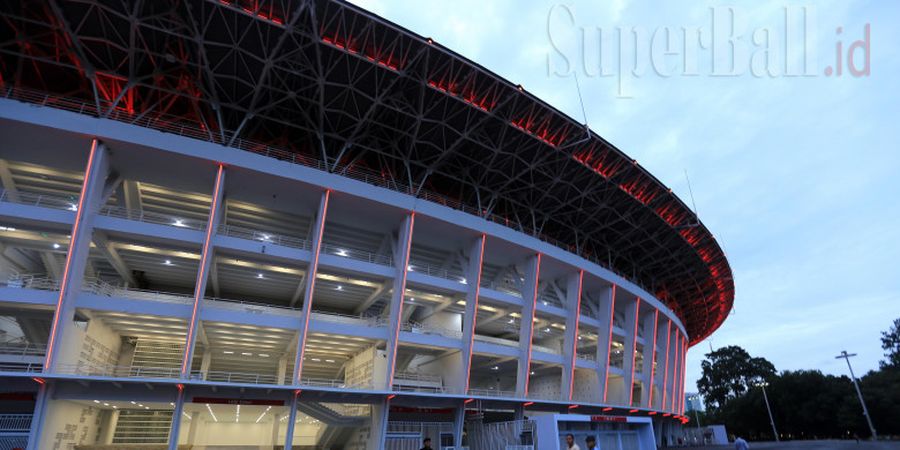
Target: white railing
{"type": "Point", "coordinates": [236, 377]}
{"type": "Point", "coordinates": [496, 341]}
{"type": "Point", "coordinates": [334, 383]}
{"type": "Point", "coordinates": [368, 321]}
{"type": "Point", "coordinates": [10, 423]}
{"type": "Point", "coordinates": [359, 255]}
{"type": "Point", "coordinates": [263, 236]}
{"type": "Point", "coordinates": [586, 357]}
{"type": "Point", "coordinates": [100, 287]}
{"type": "Point", "coordinates": [33, 199]}
{"type": "Point", "coordinates": [118, 371]}
{"type": "Point", "coordinates": [175, 125]}
{"type": "Point", "coordinates": [437, 272]}
{"type": "Point", "coordinates": [140, 215]}
{"type": "Point", "coordinates": [420, 328]}
{"type": "Point", "coordinates": [251, 307]}
{"type": "Point", "coordinates": [481, 392]}
{"type": "Point", "coordinates": [20, 368]}
{"type": "Point", "coordinates": [33, 281]}
{"type": "Point", "coordinates": [22, 349]}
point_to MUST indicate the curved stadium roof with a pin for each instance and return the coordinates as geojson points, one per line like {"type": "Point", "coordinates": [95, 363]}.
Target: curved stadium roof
{"type": "Point", "coordinates": [332, 83]}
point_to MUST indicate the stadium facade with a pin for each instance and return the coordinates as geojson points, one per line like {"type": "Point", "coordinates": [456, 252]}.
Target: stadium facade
{"type": "Point", "coordinates": [236, 224]}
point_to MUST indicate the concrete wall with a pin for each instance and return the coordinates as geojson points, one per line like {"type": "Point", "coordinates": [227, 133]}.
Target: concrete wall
{"type": "Point", "coordinates": [587, 386]}
{"type": "Point", "coordinates": [68, 423]}
{"type": "Point", "coordinates": [93, 344]}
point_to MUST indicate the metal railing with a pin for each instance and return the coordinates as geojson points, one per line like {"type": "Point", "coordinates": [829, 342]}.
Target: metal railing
{"type": "Point", "coordinates": [481, 392]}
{"type": "Point", "coordinates": [420, 328]}
{"type": "Point", "coordinates": [22, 368]}
{"type": "Point", "coordinates": [263, 236]}
{"type": "Point", "coordinates": [140, 215]}
{"type": "Point", "coordinates": [32, 281]}
{"type": "Point", "coordinates": [334, 383]}
{"type": "Point", "coordinates": [109, 370]}
{"type": "Point", "coordinates": [438, 272]}
{"type": "Point", "coordinates": [22, 349]}
{"type": "Point", "coordinates": [11, 423]}
{"type": "Point", "coordinates": [43, 200]}
{"type": "Point", "coordinates": [252, 307]}
{"type": "Point", "coordinates": [100, 287]}
{"type": "Point", "coordinates": [368, 321]}
{"type": "Point", "coordinates": [174, 124]}
{"type": "Point", "coordinates": [235, 377]}
{"type": "Point", "coordinates": [359, 255]}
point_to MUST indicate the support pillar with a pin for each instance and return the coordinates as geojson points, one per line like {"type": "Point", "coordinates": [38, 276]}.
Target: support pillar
{"type": "Point", "coordinates": [667, 358]}
{"type": "Point", "coordinates": [206, 256]}
{"type": "Point", "coordinates": [653, 358]}
{"type": "Point", "coordinates": [401, 263]}
{"type": "Point", "coordinates": [176, 419]}
{"type": "Point", "coordinates": [192, 429]}
{"type": "Point", "coordinates": [205, 363]}
{"type": "Point", "coordinates": [574, 284]}
{"type": "Point", "coordinates": [647, 368]}
{"type": "Point", "coordinates": [291, 422]}
{"type": "Point", "coordinates": [282, 369]}
{"type": "Point", "coordinates": [41, 409]}
{"type": "Point", "coordinates": [313, 268]}
{"type": "Point", "coordinates": [632, 314]}
{"type": "Point", "coordinates": [459, 421]}
{"type": "Point", "coordinates": [473, 279]}
{"type": "Point", "coordinates": [604, 332]}
{"type": "Point", "coordinates": [276, 425]}
{"type": "Point", "coordinates": [109, 427]}
{"type": "Point", "coordinates": [379, 425]}
{"type": "Point", "coordinates": [526, 327]}
{"type": "Point", "coordinates": [92, 189]}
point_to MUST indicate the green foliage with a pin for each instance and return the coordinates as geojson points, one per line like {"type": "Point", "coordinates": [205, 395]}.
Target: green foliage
{"type": "Point", "coordinates": [890, 342]}
{"type": "Point", "coordinates": [728, 373]}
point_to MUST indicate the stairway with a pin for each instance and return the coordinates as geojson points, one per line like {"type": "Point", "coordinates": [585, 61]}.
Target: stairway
{"type": "Point", "coordinates": [143, 427]}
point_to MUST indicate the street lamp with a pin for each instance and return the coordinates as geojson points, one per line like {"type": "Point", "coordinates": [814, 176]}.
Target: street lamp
{"type": "Point", "coordinates": [763, 385]}
{"type": "Point", "coordinates": [847, 357]}
{"type": "Point", "coordinates": [696, 415]}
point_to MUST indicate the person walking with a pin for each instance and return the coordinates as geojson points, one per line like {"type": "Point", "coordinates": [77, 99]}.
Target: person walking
{"type": "Point", "coordinates": [741, 444]}
{"type": "Point", "coordinates": [570, 442]}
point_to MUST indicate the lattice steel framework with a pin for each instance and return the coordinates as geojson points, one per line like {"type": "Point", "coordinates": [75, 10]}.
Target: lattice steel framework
{"type": "Point", "coordinates": [330, 81]}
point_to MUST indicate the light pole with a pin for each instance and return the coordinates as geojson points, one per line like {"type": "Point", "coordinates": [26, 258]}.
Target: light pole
{"type": "Point", "coordinates": [763, 385]}
{"type": "Point", "coordinates": [847, 357]}
{"type": "Point", "coordinates": [696, 415]}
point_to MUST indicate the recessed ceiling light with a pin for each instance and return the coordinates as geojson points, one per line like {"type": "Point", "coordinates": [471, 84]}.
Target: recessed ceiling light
{"type": "Point", "coordinates": [178, 223]}
{"type": "Point", "coordinates": [247, 353]}
{"type": "Point", "coordinates": [264, 355]}
{"type": "Point", "coordinates": [168, 262]}
{"type": "Point", "coordinates": [339, 287]}
{"type": "Point", "coordinates": [341, 252]}
{"type": "Point", "coordinates": [228, 352]}
{"type": "Point", "coordinates": [55, 245]}
{"type": "Point", "coordinates": [96, 401]}
{"type": "Point", "coordinates": [259, 275]}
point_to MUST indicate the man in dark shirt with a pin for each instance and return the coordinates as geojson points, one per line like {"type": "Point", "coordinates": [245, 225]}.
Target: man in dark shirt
{"type": "Point", "coordinates": [426, 444]}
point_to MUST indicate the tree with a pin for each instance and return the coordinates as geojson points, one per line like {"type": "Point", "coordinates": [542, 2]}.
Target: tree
{"type": "Point", "coordinates": [890, 342]}
{"type": "Point", "coordinates": [728, 373]}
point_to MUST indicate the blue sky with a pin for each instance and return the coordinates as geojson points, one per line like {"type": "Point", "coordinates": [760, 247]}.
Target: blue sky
{"type": "Point", "coordinates": [798, 176]}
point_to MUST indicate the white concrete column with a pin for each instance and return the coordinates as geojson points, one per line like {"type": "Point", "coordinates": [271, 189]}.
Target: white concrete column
{"type": "Point", "coordinates": [41, 410]}
{"type": "Point", "coordinates": [291, 422]}
{"type": "Point", "coordinates": [632, 313]}
{"type": "Point", "coordinates": [192, 429]}
{"type": "Point", "coordinates": [574, 284]}
{"type": "Point", "coordinates": [667, 359]}
{"type": "Point", "coordinates": [276, 423]}
{"type": "Point", "coordinates": [176, 419]}
{"type": "Point", "coordinates": [379, 424]}
{"type": "Point", "coordinates": [205, 363]}
{"type": "Point", "coordinates": [92, 190]}
{"type": "Point", "coordinates": [526, 327]}
{"type": "Point", "coordinates": [206, 256]}
{"type": "Point", "coordinates": [282, 369]}
{"type": "Point", "coordinates": [607, 309]}
{"type": "Point", "coordinates": [306, 312]}
{"type": "Point", "coordinates": [473, 280]}
{"type": "Point", "coordinates": [108, 427]}
{"type": "Point", "coordinates": [401, 263]}
{"type": "Point", "coordinates": [647, 352]}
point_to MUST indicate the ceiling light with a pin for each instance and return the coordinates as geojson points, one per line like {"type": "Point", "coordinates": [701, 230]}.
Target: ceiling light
{"type": "Point", "coordinates": [105, 404]}
{"type": "Point", "coordinates": [341, 252]}
{"type": "Point", "coordinates": [98, 401]}
{"type": "Point", "coordinates": [133, 403]}
{"type": "Point", "coordinates": [237, 414]}
{"type": "Point", "coordinates": [171, 404]}
{"type": "Point", "coordinates": [532, 372]}
{"type": "Point", "coordinates": [495, 368]}
{"type": "Point", "coordinates": [329, 360]}
{"type": "Point", "coordinates": [316, 359]}
{"type": "Point", "coordinates": [211, 413]}
{"type": "Point", "coordinates": [266, 238]}
{"type": "Point", "coordinates": [463, 281]}
{"type": "Point", "coordinates": [544, 302]}
{"type": "Point", "coordinates": [168, 262]}
{"type": "Point", "coordinates": [178, 223]}
{"type": "Point", "coordinates": [409, 268]}
{"type": "Point", "coordinates": [7, 229]}
{"type": "Point", "coordinates": [512, 321]}
{"type": "Point", "coordinates": [247, 353]}
{"type": "Point", "coordinates": [259, 275]}
{"type": "Point", "coordinates": [55, 245]}
{"type": "Point", "coordinates": [115, 407]}
{"type": "Point", "coordinates": [146, 407]}
{"type": "Point", "coordinates": [264, 355]}
{"type": "Point", "coordinates": [546, 330]}
{"type": "Point", "coordinates": [73, 207]}
{"type": "Point", "coordinates": [263, 414]}
{"type": "Point", "coordinates": [339, 287]}
{"type": "Point", "coordinates": [228, 352]}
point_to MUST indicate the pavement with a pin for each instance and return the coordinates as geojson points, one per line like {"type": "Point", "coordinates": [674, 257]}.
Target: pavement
{"type": "Point", "coordinates": [812, 445]}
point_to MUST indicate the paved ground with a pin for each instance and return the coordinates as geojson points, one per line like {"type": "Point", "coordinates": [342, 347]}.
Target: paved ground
{"type": "Point", "coordinates": [814, 445]}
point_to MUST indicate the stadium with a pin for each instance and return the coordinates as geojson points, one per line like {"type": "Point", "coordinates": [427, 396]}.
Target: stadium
{"type": "Point", "coordinates": [240, 224]}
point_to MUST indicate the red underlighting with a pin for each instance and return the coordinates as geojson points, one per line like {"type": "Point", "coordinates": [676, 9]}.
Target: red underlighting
{"type": "Point", "coordinates": [390, 397]}
{"type": "Point", "coordinates": [527, 403]}
{"type": "Point", "coordinates": [607, 409]}
{"type": "Point", "coordinates": [632, 411]}
{"type": "Point", "coordinates": [253, 9]}
{"type": "Point", "coordinates": [573, 406]}
{"type": "Point", "coordinates": [539, 132]}
{"type": "Point", "coordinates": [651, 413]}
{"type": "Point", "coordinates": [39, 380]}
{"type": "Point", "coordinates": [389, 61]}
{"type": "Point", "coordinates": [667, 415]}
{"type": "Point", "coordinates": [469, 400]}
{"type": "Point", "coordinates": [481, 102]}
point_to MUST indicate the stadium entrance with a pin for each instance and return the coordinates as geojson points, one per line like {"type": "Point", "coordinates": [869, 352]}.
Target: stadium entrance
{"type": "Point", "coordinates": [611, 432]}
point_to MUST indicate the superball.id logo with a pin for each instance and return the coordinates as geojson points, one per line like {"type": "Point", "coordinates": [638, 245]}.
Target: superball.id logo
{"type": "Point", "coordinates": [790, 45]}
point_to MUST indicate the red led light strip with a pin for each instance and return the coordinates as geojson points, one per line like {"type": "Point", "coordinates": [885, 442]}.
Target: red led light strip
{"type": "Point", "coordinates": [675, 372]}
{"type": "Point", "coordinates": [347, 47]}
{"type": "Point", "coordinates": [412, 218]}
{"type": "Point", "coordinates": [683, 372]}
{"type": "Point", "coordinates": [484, 104]}
{"type": "Point", "coordinates": [537, 275]}
{"type": "Point", "coordinates": [575, 335]}
{"type": "Point", "coordinates": [653, 358]}
{"type": "Point", "coordinates": [637, 316]}
{"type": "Point", "coordinates": [542, 135]}
{"type": "Point", "coordinates": [198, 296]}
{"type": "Point", "coordinates": [268, 17]}
{"type": "Point", "coordinates": [63, 285]}
{"type": "Point", "coordinates": [313, 269]}
{"type": "Point", "coordinates": [612, 314]}
{"type": "Point", "coordinates": [475, 316]}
